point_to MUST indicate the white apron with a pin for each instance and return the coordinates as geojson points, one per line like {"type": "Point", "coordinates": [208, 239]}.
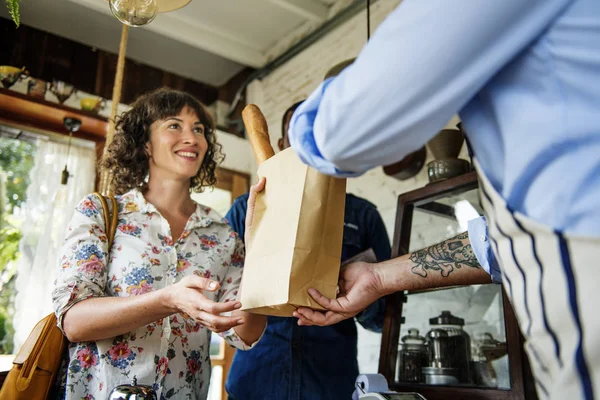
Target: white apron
{"type": "Point", "coordinates": [552, 281]}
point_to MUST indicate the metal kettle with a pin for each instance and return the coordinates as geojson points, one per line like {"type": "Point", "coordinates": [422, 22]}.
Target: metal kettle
{"type": "Point", "coordinates": [132, 391]}
{"type": "Point", "coordinates": [449, 347]}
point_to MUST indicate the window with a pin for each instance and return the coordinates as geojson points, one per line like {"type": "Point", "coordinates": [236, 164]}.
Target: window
{"type": "Point", "coordinates": [36, 208]}
{"type": "Point", "coordinates": [16, 161]}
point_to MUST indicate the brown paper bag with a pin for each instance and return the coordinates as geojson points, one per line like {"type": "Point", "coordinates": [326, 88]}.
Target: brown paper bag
{"type": "Point", "coordinates": [296, 238]}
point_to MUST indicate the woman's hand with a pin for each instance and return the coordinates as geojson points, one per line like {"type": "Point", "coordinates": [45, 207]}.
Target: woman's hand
{"type": "Point", "coordinates": [186, 297]}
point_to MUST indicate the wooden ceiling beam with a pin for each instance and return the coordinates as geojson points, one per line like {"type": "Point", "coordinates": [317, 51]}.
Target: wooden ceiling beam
{"type": "Point", "coordinates": [212, 39]}
{"type": "Point", "coordinates": [312, 10]}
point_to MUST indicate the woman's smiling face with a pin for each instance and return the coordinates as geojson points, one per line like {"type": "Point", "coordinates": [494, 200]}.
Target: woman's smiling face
{"type": "Point", "coordinates": [177, 146]}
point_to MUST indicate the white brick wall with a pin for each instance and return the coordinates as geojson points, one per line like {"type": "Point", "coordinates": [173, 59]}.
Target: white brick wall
{"type": "Point", "coordinates": [294, 81]}
{"type": "Point", "coordinates": [238, 153]}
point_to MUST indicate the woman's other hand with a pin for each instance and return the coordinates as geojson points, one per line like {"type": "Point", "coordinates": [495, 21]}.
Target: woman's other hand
{"type": "Point", "coordinates": [187, 297]}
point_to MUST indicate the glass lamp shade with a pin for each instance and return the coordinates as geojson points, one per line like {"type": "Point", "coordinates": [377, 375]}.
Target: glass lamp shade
{"type": "Point", "coordinates": [142, 12]}
{"type": "Point", "coordinates": [134, 12]}
{"type": "Point", "coordinates": [171, 5]}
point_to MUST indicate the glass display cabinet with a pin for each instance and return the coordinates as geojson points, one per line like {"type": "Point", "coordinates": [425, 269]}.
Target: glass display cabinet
{"type": "Point", "coordinates": [453, 342]}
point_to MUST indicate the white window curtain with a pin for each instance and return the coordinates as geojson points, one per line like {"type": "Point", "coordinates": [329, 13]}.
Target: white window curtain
{"type": "Point", "coordinates": [46, 213]}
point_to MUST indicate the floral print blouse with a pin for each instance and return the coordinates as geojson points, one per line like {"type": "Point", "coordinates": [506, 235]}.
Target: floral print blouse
{"type": "Point", "coordinates": [171, 354]}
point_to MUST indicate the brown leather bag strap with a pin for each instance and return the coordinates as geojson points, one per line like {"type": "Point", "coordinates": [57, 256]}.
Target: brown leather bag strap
{"type": "Point", "coordinates": [43, 329]}
{"type": "Point", "coordinates": [114, 219]}
{"type": "Point", "coordinates": [110, 219]}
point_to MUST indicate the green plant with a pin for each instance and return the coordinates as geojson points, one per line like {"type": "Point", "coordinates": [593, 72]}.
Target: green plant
{"type": "Point", "coordinates": [13, 185]}
{"type": "Point", "coordinates": [9, 253]}
{"type": "Point", "coordinates": [9, 247]}
{"type": "Point", "coordinates": [16, 159]}
{"type": "Point", "coordinates": [7, 330]}
{"type": "Point", "coordinates": [13, 9]}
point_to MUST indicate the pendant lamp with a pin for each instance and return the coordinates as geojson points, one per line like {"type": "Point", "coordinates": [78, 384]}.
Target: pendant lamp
{"type": "Point", "coordinates": [142, 12]}
{"type": "Point", "coordinates": [130, 13]}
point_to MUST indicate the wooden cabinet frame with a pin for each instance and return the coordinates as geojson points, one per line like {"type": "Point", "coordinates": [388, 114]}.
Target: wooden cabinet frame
{"type": "Point", "coordinates": [520, 375]}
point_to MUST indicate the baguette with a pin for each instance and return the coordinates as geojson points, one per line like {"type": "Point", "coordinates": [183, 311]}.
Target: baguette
{"type": "Point", "coordinates": [258, 133]}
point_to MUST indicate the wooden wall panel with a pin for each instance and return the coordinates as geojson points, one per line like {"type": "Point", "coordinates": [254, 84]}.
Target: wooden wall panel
{"type": "Point", "coordinates": [47, 56]}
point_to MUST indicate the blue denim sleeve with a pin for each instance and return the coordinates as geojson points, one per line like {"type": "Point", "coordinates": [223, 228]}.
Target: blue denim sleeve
{"type": "Point", "coordinates": [478, 236]}
{"type": "Point", "coordinates": [371, 318]}
{"type": "Point", "coordinates": [236, 216]}
{"type": "Point", "coordinates": [377, 235]}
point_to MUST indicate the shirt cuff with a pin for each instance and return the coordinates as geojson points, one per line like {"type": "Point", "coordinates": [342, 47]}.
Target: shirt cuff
{"type": "Point", "coordinates": [302, 136]}
{"type": "Point", "coordinates": [480, 243]}
{"type": "Point", "coordinates": [233, 339]}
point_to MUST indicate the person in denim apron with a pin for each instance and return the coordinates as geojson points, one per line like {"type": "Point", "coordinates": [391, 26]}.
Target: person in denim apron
{"type": "Point", "coordinates": [524, 78]}
{"type": "Point", "coordinates": [308, 363]}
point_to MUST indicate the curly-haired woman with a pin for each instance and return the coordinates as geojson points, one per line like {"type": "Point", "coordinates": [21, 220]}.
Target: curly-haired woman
{"type": "Point", "coordinates": [147, 306]}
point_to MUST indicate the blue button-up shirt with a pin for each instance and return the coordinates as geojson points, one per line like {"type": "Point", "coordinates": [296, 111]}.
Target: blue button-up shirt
{"type": "Point", "coordinates": [524, 76]}
{"type": "Point", "coordinates": [294, 362]}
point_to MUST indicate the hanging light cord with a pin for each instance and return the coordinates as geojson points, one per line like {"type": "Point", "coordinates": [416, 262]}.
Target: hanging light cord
{"type": "Point", "coordinates": [368, 19]}
{"type": "Point", "coordinates": [69, 148]}
{"type": "Point", "coordinates": [64, 179]}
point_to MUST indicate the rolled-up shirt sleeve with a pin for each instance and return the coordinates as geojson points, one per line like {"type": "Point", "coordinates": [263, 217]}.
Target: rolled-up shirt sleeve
{"type": "Point", "coordinates": [418, 70]}
{"type": "Point", "coordinates": [302, 137]}
{"type": "Point", "coordinates": [478, 236]}
{"type": "Point", "coordinates": [82, 258]}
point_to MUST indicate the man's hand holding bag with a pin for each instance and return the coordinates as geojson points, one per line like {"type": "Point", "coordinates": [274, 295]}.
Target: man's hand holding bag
{"type": "Point", "coordinates": [297, 230]}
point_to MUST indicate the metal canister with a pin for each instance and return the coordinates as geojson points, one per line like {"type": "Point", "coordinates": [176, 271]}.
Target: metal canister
{"type": "Point", "coordinates": [134, 391]}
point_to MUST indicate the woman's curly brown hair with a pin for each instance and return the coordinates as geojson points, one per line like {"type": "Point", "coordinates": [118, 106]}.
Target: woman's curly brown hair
{"type": "Point", "coordinates": [127, 158]}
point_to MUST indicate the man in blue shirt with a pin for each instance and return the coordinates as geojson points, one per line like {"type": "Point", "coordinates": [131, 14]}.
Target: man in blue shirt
{"type": "Point", "coordinates": [524, 78]}
{"type": "Point", "coordinates": [310, 363]}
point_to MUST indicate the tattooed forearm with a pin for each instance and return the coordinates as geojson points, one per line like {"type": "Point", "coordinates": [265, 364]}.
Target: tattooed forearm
{"type": "Point", "coordinates": [460, 236]}
{"type": "Point", "coordinates": [444, 257]}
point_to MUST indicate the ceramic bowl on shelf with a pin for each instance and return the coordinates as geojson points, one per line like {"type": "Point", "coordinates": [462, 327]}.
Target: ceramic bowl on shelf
{"type": "Point", "coordinates": [408, 167]}
{"type": "Point", "coordinates": [61, 90]}
{"type": "Point", "coordinates": [92, 104]}
{"type": "Point", "coordinates": [440, 170]}
{"type": "Point", "coordinates": [9, 75]}
{"type": "Point", "coordinates": [37, 88]}
{"type": "Point", "coordinates": [446, 144]}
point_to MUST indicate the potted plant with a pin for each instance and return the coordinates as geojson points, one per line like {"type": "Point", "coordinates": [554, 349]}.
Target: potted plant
{"type": "Point", "coordinates": [13, 9]}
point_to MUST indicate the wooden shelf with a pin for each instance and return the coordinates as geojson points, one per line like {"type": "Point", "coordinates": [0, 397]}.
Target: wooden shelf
{"type": "Point", "coordinates": [30, 112]}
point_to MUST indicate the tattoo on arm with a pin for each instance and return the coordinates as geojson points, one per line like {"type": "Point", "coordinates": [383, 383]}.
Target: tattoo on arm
{"type": "Point", "coordinates": [444, 257]}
